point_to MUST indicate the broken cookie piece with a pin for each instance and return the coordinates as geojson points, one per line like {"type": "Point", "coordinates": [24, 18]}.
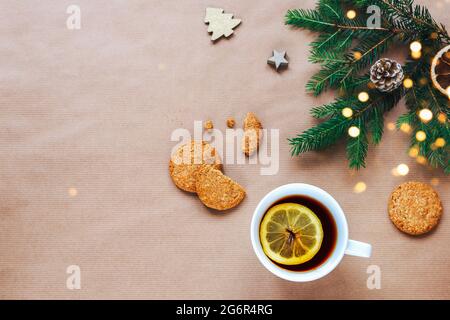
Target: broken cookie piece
{"type": "Point", "coordinates": [252, 134]}
{"type": "Point", "coordinates": [188, 159]}
{"type": "Point", "coordinates": [216, 190]}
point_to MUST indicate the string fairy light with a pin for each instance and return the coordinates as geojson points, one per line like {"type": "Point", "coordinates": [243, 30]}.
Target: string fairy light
{"type": "Point", "coordinates": [421, 136]}
{"type": "Point", "coordinates": [433, 147]}
{"type": "Point", "coordinates": [405, 127]}
{"type": "Point", "coordinates": [442, 118]}
{"type": "Point", "coordinates": [347, 112]}
{"type": "Point", "coordinates": [421, 160]}
{"type": "Point", "coordinates": [440, 142]}
{"type": "Point", "coordinates": [354, 131]}
{"type": "Point", "coordinates": [415, 46]}
{"type": "Point", "coordinates": [416, 54]}
{"type": "Point", "coordinates": [408, 83]}
{"type": "Point", "coordinates": [363, 96]}
{"type": "Point", "coordinates": [351, 14]}
{"type": "Point", "coordinates": [391, 126]}
{"type": "Point", "coordinates": [425, 115]}
{"type": "Point", "coordinates": [413, 151]}
{"type": "Point", "coordinates": [357, 55]}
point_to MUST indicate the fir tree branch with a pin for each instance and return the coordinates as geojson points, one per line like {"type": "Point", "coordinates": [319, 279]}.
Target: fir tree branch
{"type": "Point", "coordinates": [371, 48]}
{"type": "Point", "coordinates": [334, 108]}
{"type": "Point", "coordinates": [326, 6]}
{"type": "Point", "coordinates": [436, 106]}
{"type": "Point", "coordinates": [341, 68]}
{"type": "Point", "coordinates": [326, 57]}
{"type": "Point", "coordinates": [323, 42]}
{"type": "Point", "coordinates": [357, 147]}
{"type": "Point", "coordinates": [376, 125]}
{"type": "Point", "coordinates": [331, 75]}
{"type": "Point", "coordinates": [336, 74]}
{"type": "Point", "coordinates": [322, 135]}
{"type": "Point", "coordinates": [314, 21]}
{"type": "Point", "coordinates": [418, 97]}
{"type": "Point", "coordinates": [420, 15]}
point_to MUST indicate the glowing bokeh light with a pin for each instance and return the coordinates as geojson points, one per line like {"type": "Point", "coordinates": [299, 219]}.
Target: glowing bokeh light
{"type": "Point", "coordinates": [413, 152]}
{"type": "Point", "coordinates": [440, 142]}
{"type": "Point", "coordinates": [415, 46]}
{"type": "Point", "coordinates": [442, 118]}
{"type": "Point", "coordinates": [408, 83]}
{"type": "Point", "coordinates": [402, 169]}
{"type": "Point", "coordinates": [405, 127]}
{"type": "Point", "coordinates": [73, 192]}
{"type": "Point", "coordinates": [434, 181]}
{"type": "Point", "coordinates": [421, 160]}
{"type": "Point", "coordinates": [363, 96]}
{"type": "Point", "coordinates": [425, 115]}
{"type": "Point", "coordinates": [416, 55]}
{"type": "Point", "coordinates": [351, 14]}
{"type": "Point", "coordinates": [347, 112]}
{"type": "Point", "coordinates": [353, 131]}
{"type": "Point", "coordinates": [359, 187]}
{"type": "Point", "coordinates": [391, 126]}
{"type": "Point", "coordinates": [421, 136]}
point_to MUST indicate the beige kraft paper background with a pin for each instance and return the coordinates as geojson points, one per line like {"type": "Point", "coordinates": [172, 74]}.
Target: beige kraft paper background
{"type": "Point", "coordinates": [86, 118]}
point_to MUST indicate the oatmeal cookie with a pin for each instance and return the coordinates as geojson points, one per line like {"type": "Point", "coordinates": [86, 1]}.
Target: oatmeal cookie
{"type": "Point", "coordinates": [188, 159]}
{"type": "Point", "coordinates": [414, 208]}
{"type": "Point", "coordinates": [216, 190]}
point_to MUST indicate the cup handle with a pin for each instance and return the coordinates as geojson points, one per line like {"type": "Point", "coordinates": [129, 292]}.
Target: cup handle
{"type": "Point", "coordinates": [358, 249]}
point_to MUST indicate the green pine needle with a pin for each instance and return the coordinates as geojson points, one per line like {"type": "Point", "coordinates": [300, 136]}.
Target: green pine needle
{"type": "Point", "coordinates": [376, 125]}
{"type": "Point", "coordinates": [357, 147]}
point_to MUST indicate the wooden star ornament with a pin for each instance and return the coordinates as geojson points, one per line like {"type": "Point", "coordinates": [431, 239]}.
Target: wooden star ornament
{"type": "Point", "coordinates": [278, 59]}
{"type": "Point", "coordinates": [220, 24]}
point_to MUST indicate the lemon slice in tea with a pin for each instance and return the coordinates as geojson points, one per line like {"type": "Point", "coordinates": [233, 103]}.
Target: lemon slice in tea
{"type": "Point", "coordinates": [290, 234]}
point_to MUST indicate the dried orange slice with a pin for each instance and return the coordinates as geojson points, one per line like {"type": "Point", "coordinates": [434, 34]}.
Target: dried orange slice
{"type": "Point", "coordinates": [440, 70]}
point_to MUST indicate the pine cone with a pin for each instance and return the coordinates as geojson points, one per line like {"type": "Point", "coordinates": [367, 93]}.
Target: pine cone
{"type": "Point", "coordinates": [386, 74]}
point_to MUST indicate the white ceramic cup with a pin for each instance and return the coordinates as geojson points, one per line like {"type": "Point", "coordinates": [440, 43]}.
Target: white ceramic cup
{"type": "Point", "coordinates": [343, 244]}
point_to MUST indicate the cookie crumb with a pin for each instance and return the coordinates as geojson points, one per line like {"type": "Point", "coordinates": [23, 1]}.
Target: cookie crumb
{"type": "Point", "coordinates": [230, 122]}
{"type": "Point", "coordinates": [209, 125]}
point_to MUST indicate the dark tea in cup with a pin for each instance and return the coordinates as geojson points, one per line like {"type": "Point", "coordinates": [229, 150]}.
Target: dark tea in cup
{"type": "Point", "coordinates": [328, 226]}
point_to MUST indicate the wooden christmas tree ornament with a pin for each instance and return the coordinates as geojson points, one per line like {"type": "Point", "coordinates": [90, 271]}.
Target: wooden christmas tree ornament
{"type": "Point", "coordinates": [220, 24]}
